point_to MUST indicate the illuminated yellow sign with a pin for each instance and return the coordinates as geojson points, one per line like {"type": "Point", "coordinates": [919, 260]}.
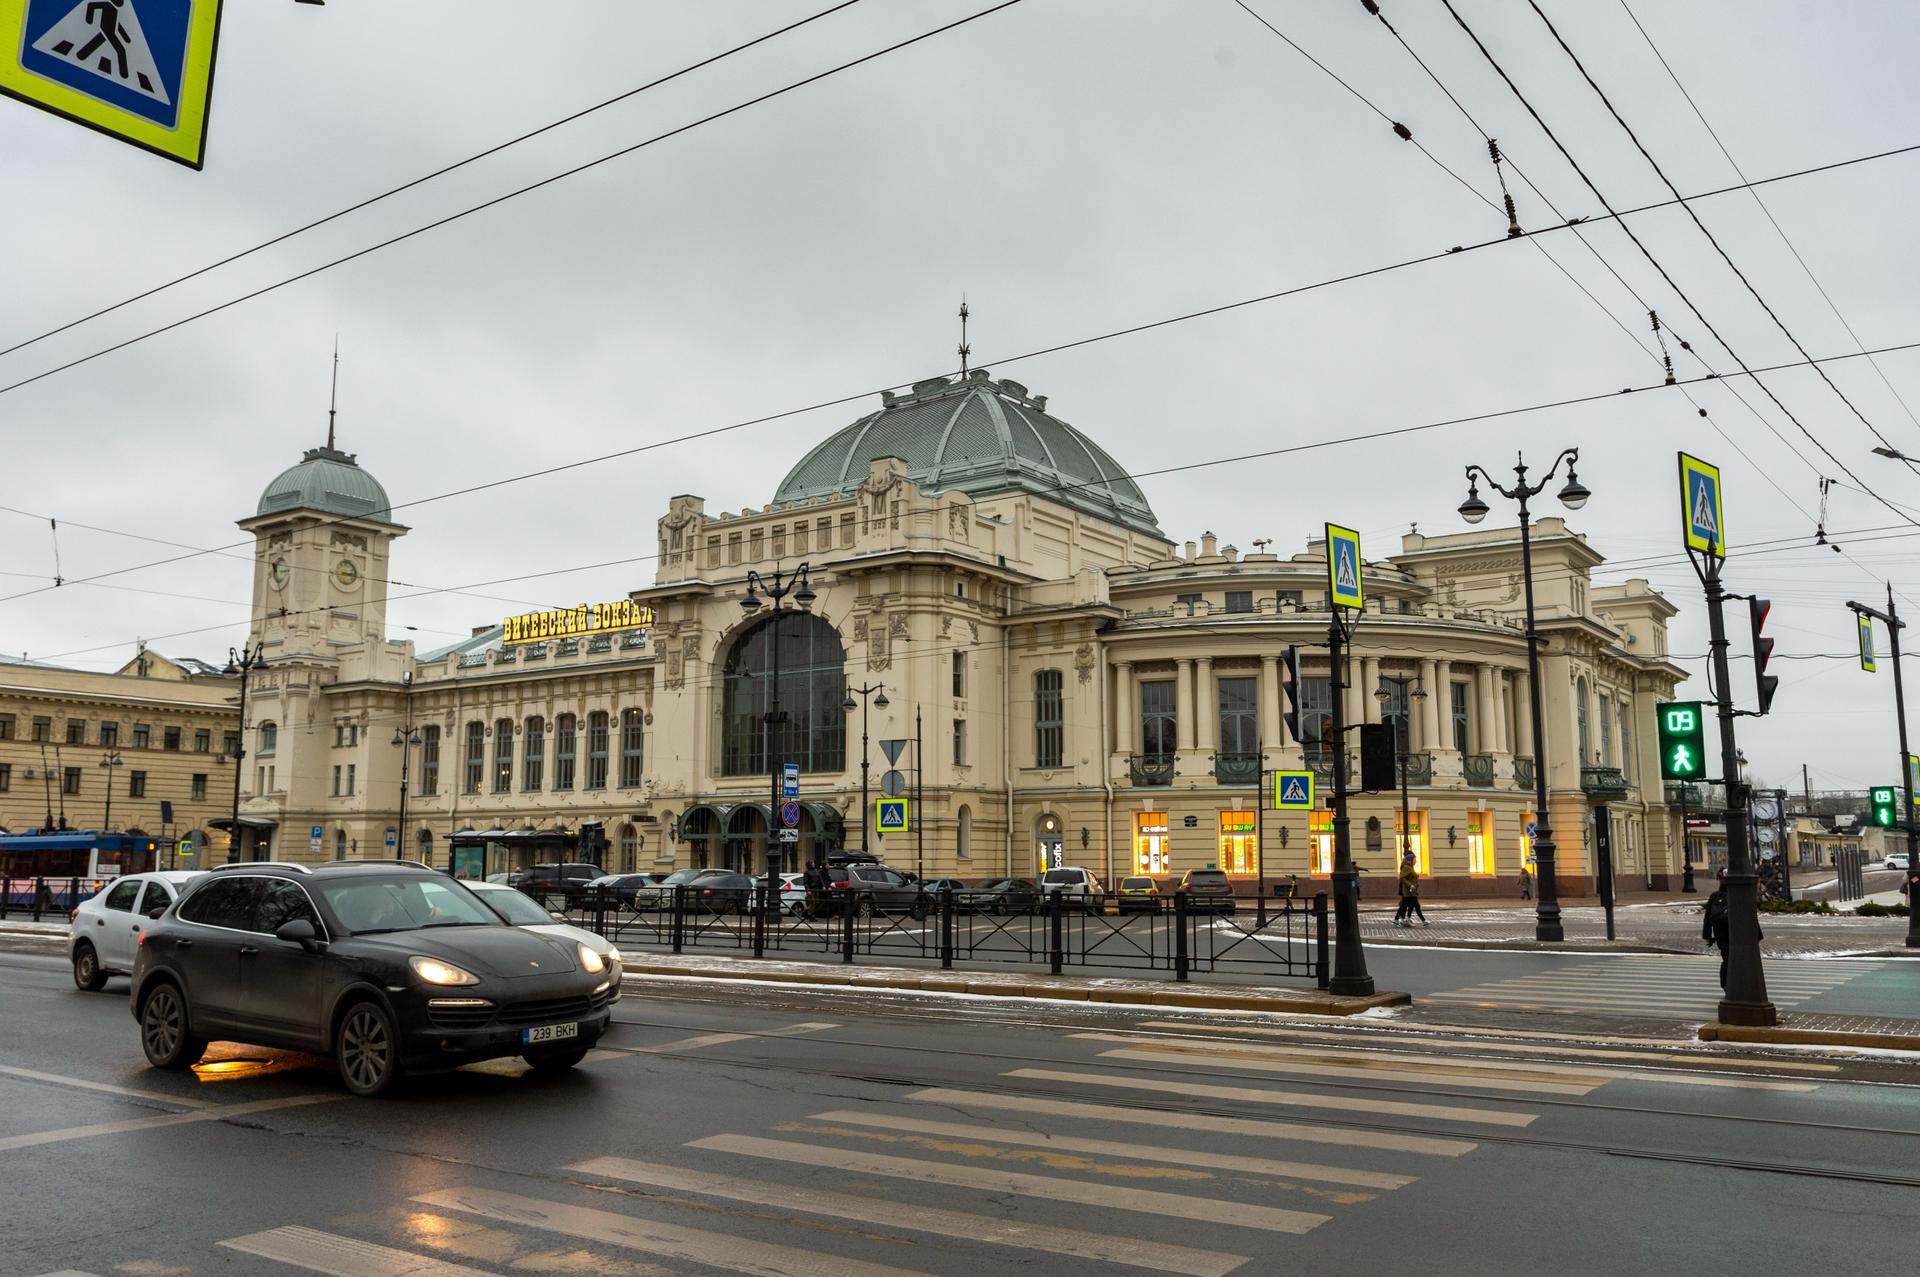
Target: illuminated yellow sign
{"type": "Point", "coordinates": [576, 622]}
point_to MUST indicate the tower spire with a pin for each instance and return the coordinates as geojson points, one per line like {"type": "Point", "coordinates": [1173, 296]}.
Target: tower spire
{"type": "Point", "coordinates": [333, 391]}
{"type": "Point", "coordinates": [965, 349]}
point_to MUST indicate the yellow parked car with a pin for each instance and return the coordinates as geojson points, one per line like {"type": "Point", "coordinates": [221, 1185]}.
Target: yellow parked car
{"type": "Point", "coordinates": [1138, 894]}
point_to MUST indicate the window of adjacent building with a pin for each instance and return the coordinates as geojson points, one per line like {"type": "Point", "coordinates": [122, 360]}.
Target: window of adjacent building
{"type": "Point", "coordinates": [1462, 724]}
{"type": "Point", "coordinates": [76, 731]}
{"type": "Point", "coordinates": [959, 674]}
{"type": "Point", "coordinates": [1580, 721]}
{"type": "Point", "coordinates": [1411, 836]}
{"type": "Point", "coordinates": [1192, 602]}
{"type": "Point", "coordinates": [1239, 842]}
{"type": "Point", "coordinates": [800, 537]}
{"type": "Point", "coordinates": [269, 737]}
{"type": "Point", "coordinates": [339, 735]}
{"type": "Point", "coordinates": [1606, 729]}
{"type": "Point", "coordinates": [733, 547]}
{"type": "Point", "coordinates": [632, 747]}
{"type": "Point", "coordinates": [812, 686]}
{"type": "Point", "coordinates": [1049, 729]}
{"type": "Point", "coordinates": [533, 762]}
{"type": "Point", "coordinates": [336, 780]}
{"type": "Point", "coordinates": [1239, 716]}
{"type": "Point", "coordinates": [959, 742]}
{"type": "Point", "coordinates": [6, 777]}
{"type": "Point", "coordinates": [1239, 600]}
{"type": "Point", "coordinates": [564, 744]}
{"type": "Point", "coordinates": [109, 733]}
{"type": "Point", "coordinates": [429, 761]}
{"type": "Point", "coordinates": [70, 780]}
{"type": "Point", "coordinates": [476, 757]}
{"type": "Point", "coordinates": [339, 844]}
{"type": "Point", "coordinates": [597, 749]}
{"type": "Point", "coordinates": [199, 786]}
{"type": "Point", "coordinates": [1395, 712]}
{"type": "Point", "coordinates": [629, 837]}
{"type": "Point", "coordinates": [170, 738]}
{"type": "Point", "coordinates": [1626, 742]}
{"type": "Point", "coordinates": [202, 740]}
{"type": "Point", "coordinates": [1289, 598]}
{"type": "Point", "coordinates": [1316, 712]}
{"type": "Point", "coordinates": [230, 744]}
{"type": "Point", "coordinates": [963, 833]}
{"type": "Point", "coordinates": [6, 726]}
{"type": "Point", "coordinates": [1320, 840]}
{"type": "Point", "coordinates": [503, 756]}
{"type": "Point", "coordinates": [846, 529]}
{"type": "Point", "coordinates": [780, 542]}
{"type": "Point", "coordinates": [1150, 838]}
{"type": "Point", "coordinates": [43, 730]}
{"type": "Point", "coordinates": [136, 785]}
{"type": "Point", "coordinates": [1159, 719]}
{"type": "Point", "coordinates": [756, 544]}
{"type": "Point", "coordinates": [350, 770]}
{"type": "Point", "coordinates": [1479, 843]}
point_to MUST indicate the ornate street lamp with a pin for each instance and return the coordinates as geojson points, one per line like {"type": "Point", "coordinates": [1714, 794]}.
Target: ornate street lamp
{"type": "Point", "coordinates": [1403, 739]}
{"type": "Point", "coordinates": [241, 662]}
{"type": "Point", "coordinates": [850, 705]}
{"type": "Point", "coordinates": [1573, 494]}
{"type": "Point", "coordinates": [777, 589]}
{"type": "Point", "coordinates": [109, 760]}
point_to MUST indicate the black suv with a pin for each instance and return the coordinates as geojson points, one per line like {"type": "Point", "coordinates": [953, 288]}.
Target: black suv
{"type": "Point", "coordinates": [550, 882]}
{"type": "Point", "coordinates": [391, 968]}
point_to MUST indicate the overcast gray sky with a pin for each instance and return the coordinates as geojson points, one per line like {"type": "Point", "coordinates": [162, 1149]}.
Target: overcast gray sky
{"type": "Point", "coordinates": [1072, 166]}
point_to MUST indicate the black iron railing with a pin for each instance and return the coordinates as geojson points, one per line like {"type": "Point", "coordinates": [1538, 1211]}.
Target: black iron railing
{"type": "Point", "coordinates": [1603, 782]}
{"type": "Point", "coordinates": [1236, 768]}
{"type": "Point", "coordinates": [1419, 768]}
{"type": "Point", "coordinates": [1150, 769]}
{"type": "Point", "coordinates": [1478, 769]}
{"type": "Point", "coordinates": [40, 897]}
{"type": "Point", "coordinates": [1523, 773]}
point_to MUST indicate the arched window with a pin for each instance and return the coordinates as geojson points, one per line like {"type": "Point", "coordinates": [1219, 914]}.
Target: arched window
{"type": "Point", "coordinates": [424, 842]}
{"type": "Point", "coordinates": [597, 749]}
{"type": "Point", "coordinates": [533, 761]}
{"type": "Point", "coordinates": [963, 839]}
{"type": "Point", "coordinates": [812, 685]}
{"type": "Point", "coordinates": [1580, 719]}
{"type": "Point", "coordinates": [339, 844]}
{"type": "Point", "coordinates": [564, 732]}
{"type": "Point", "coordinates": [632, 748]}
{"type": "Point", "coordinates": [503, 756]}
{"type": "Point", "coordinates": [269, 737]}
{"type": "Point", "coordinates": [476, 760]}
{"type": "Point", "coordinates": [629, 849]}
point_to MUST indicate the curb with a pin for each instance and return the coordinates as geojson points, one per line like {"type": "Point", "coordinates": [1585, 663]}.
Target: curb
{"type": "Point", "coordinates": [1779, 1035]}
{"type": "Point", "coordinates": [991, 985]}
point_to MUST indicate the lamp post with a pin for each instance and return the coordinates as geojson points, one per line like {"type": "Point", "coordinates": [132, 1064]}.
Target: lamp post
{"type": "Point", "coordinates": [782, 584]}
{"type": "Point", "coordinates": [1547, 924]}
{"type": "Point", "coordinates": [242, 662]}
{"type": "Point", "coordinates": [864, 693]}
{"type": "Point", "coordinates": [1402, 739]}
{"type": "Point", "coordinates": [405, 741]}
{"type": "Point", "coordinates": [110, 760]}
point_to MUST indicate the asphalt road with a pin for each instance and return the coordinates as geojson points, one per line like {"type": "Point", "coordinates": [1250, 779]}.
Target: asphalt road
{"type": "Point", "coordinates": [794, 1131]}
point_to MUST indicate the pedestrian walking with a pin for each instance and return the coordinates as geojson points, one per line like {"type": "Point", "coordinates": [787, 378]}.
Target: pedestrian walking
{"type": "Point", "coordinates": [1409, 894]}
{"type": "Point", "coordinates": [1714, 930]}
{"type": "Point", "coordinates": [814, 883]}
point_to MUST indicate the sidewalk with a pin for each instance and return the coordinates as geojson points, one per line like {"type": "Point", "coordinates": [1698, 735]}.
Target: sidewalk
{"type": "Point", "coordinates": [1652, 925]}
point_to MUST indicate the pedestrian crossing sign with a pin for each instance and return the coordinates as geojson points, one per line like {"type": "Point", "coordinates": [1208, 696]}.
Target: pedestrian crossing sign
{"type": "Point", "coordinates": [1866, 641]}
{"type": "Point", "coordinates": [1702, 509]}
{"type": "Point", "coordinates": [890, 816]}
{"type": "Point", "coordinates": [139, 70]}
{"type": "Point", "coordinates": [1293, 791]}
{"type": "Point", "coordinates": [1344, 586]}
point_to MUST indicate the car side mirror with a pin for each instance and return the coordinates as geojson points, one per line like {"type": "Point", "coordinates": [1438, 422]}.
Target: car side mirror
{"type": "Point", "coordinates": [299, 931]}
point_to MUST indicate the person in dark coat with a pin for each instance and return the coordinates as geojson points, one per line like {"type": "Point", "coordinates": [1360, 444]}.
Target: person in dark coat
{"type": "Point", "coordinates": [1714, 929]}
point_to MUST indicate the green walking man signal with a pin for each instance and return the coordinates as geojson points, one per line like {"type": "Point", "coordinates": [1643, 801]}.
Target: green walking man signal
{"type": "Point", "coordinates": [1683, 741]}
{"type": "Point", "coordinates": [1885, 807]}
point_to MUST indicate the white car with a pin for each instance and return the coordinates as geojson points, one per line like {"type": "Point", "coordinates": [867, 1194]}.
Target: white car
{"type": "Point", "coordinates": [793, 893]}
{"type": "Point", "coordinates": [1076, 887]}
{"type": "Point", "coordinates": [105, 930]}
{"type": "Point", "coordinates": [1895, 860]}
{"type": "Point", "coordinates": [521, 910]}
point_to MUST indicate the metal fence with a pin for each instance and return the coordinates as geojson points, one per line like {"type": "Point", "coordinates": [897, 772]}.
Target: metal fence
{"type": "Point", "coordinates": [1281, 938]}
{"type": "Point", "coordinates": [33, 897]}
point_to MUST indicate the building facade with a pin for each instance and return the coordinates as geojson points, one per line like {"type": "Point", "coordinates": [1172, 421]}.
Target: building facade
{"type": "Point", "coordinates": [1064, 683]}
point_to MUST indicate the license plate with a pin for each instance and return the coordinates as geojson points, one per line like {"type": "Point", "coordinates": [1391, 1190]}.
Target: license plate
{"type": "Point", "coordinates": [550, 1033]}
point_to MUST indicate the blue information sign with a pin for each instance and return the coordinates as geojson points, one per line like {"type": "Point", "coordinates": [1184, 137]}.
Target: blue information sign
{"type": "Point", "coordinates": [790, 780]}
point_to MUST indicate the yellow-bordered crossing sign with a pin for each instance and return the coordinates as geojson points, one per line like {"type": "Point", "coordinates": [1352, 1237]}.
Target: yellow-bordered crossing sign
{"type": "Point", "coordinates": [139, 70]}
{"type": "Point", "coordinates": [1866, 642]}
{"type": "Point", "coordinates": [1702, 506]}
{"type": "Point", "coordinates": [1344, 586]}
{"type": "Point", "coordinates": [890, 816]}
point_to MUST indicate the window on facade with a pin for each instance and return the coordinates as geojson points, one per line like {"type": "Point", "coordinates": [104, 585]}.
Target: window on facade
{"type": "Point", "coordinates": [70, 780]}
{"type": "Point", "coordinates": [1626, 742]}
{"type": "Point", "coordinates": [959, 742]}
{"type": "Point", "coordinates": [1159, 719]}
{"type": "Point", "coordinates": [597, 749]}
{"type": "Point", "coordinates": [6, 777]}
{"type": "Point", "coordinates": [339, 844]}
{"type": "Point", "coordinates": [199, 786]}
{"type": "Point", "coordinates": [6, 726]}
{"type": "Point", "coordinates": [1479, 843]}
{"type": "Point", "coordinates": [812, 686]}
{"type": "Point", "coordinates": [632, 747]}
{"type": "Point", "coordinates": [533, 757]}
{"type": "Point", "coordinates": [1412, 838]}
{"type": "Point", "coordinates": [1606, 729]}
{"type": "Point", "coordinates": [963, 833]}
{"type": "Point", "coordinates": [1289, 598]}
{"type": "Point", "coordinates": [269, 737]}
{"type": "Point", "coordinates": [1462, 724]}
{"type": "Point", "coordinates": [336, 780]}
{"type": "Point", "coordinates": [959, 673]}
{"type": "Point", "coordinates": [350, 770]}
{"type": "Point", "coordinates": [170, 738]}
{"type": "Point", "coordinates": [503, 756]}
{"type": "Point", "coordinates": [430, 761]}
{"type": "Point", "coordinates": [476, 757]}
{"type": "Point", "coordinates": [1150, 836]}
{"type": "Point", "coordinates": [202, 740]}
{"type": "Point", "coordinates": [1239, 716]}
{"type": "Point", "coordinates": [76, 731]}
{"type": "Point", "coordinates": [43, 730]}
{"type": "Point", "coordinates": [1316, 712]}
{"type": "Point", "coordinates": [1239, 600]}
{"type": "Point", "coordinates": [1395, 712]}
{"type": "Point", "coordinates": [1239, 842]}
{"type": "Point", "coordinates": [1190, 601]}
{"type": "Point", "coordinates": [109, 733]}
{"type": "Point", "coordinates": [565, 741]}
{"type": "Point", "coordinates": [630, 842]}
{"type": "Point", "coordinates": [136, 785]}
{"type": "Point", "coordinates": [1048, 714]}
{"type": "Point", "coordinates": [230, 744]}
{"type": "Point", "coordinates": [1320, 836]}
{"type": "Point", "coordinates": [1580, 720]}
{"type": "Point", "coordinates": [142, 734]}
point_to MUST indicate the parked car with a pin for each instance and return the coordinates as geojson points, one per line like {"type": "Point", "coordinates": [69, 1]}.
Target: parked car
{"type": "Point", "coordinates": [389, 968]}
{"type": "Point", "coordinates": [1001, 896]}
{"type": "Point", "coordinates": [105, 929]}
{"type": "Point", "coordinates": [1137, 894]}
{"type": "Point", "coordinates": [621, 889]}
{"type": "Point", "coordinates": [660, 894]}
{"type": "Point", "coordinates": [1072, 886]}
{"type": "Point", "coordinates": [935, 886]}
{"type": "Point", "coordinates": [1895, 860]}
{"type": "Point", "coordinates": [518, 909]}
{"type": "Point", "coordinates": [868, 887]}
{"type": "Point", "coordinates": [1207, 889]}
{"type": "Point", "coordinates": [793, 893]}
{"type": "Point", "coordinates": [720, 891]}
{"type": "Point", "coordinates": [557, 882]}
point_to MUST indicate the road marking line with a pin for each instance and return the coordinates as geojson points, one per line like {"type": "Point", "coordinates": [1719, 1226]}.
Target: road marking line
{"type": "Point", "coordinates": [1170, 1054]}
{"type": "Point", "coordinates": [343, 1256]}
{"type": "Point", "coordinates": [721, 1039]}
{"type": "Point", "coordinates": [1259, 1095]}
{"type": "Point", "coordinates": [1438, 1064]}
{"type": "Point", "coordinates": [716, 1250]}
{"type": "Point", "coordinates": [69, 1272]}
{"type": "Point", "coordinates": [1436, 1146]}
{"type": "Point", "coordinates": [866, 1209]}
{"type": "Point", "coordinates": [62, 1080]}
{"type": "Point", "coordinates": [992, 1180]}
{"type": "Point", "coordinates": [1115, 1148]}
{"type": "Point", "coordinates": [215, 1114]}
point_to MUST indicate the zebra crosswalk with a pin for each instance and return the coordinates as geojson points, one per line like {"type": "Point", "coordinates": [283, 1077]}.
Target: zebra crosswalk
{"type": "Point", "coordinates": [1650, 985]}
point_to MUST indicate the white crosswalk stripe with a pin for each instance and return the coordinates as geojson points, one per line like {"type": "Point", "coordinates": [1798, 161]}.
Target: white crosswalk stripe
{"type": "Point", "coordinates": [1354, 1066]}
{"type": "Point", "coordinates": [1262, 1095]}
{"type": "Point", "coordinates": [319, 1252]}
{"type": "Point", "coordinates": [1674, 987]}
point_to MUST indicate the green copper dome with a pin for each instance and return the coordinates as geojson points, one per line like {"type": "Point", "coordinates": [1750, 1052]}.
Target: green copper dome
{"type": "Point", "coordinates": [331, 482]}
{"type": "Point", "coordinates": [979, 436]}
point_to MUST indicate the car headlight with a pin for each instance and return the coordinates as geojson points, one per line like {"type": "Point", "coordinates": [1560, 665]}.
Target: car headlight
{"type": "Point", "coordinates": [590, 961]}
{"type": "Point", "coordinates": [434, 971]}
{"type": "Point", "coordinates": [613, 955]}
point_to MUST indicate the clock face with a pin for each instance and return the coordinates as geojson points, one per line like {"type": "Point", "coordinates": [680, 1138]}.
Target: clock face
{"type": "Point", "coordinates": [345, 573]}
{"type": "Point", "coordinates": [279, 572]}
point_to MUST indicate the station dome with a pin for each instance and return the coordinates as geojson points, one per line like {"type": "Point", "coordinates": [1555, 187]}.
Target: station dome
{"type": "Point", "coordinates": [331, 482]}
{"type": "Point", "coordinates": [979, 436]}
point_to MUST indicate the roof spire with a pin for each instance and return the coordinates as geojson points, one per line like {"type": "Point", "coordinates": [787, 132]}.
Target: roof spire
{"type": "Point", "coordinates": [965, 349]}
{"type": "Point", "coordinates": [333, 392]}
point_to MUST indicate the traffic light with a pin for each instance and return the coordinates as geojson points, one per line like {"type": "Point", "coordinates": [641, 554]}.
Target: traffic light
{"type": "Point", "coordinates": [1766, 684]}
{"type": "Point", "coordinates": [1683, 741]}
{"type": "Point", "coordinates": [1291, 698]}
{"type": "Point", "coordinates": [1376, 757]}
{"type": "Point", "coordinates": [1885, 810]}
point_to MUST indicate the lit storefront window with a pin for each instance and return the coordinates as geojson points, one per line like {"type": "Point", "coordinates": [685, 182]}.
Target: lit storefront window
{"type": "Point", "coordinates": [1320, 837]}
{"type": "Point", "coordinates": [1526, 841]}
{"type": "Point", "coordinates": [1414, 840]}
{"type": "Point", "coordinates": [1150, 842]}
{"type": "Point", "coordinates": [1479, 846]}
{"type": "Point", "coordinates": [1240, 842]}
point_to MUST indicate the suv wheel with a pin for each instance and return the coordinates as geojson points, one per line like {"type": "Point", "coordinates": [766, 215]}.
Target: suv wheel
{"type": "Point", "coordinates": [164, 1034]}
{"type": "Point", "coordinates": [367, 1049]}
{"type": "Point", "coordinates": [86, 968]}
{"type": "Point", "coordinates": [555, 1061]}
{"type": "Point", "coordinates": [865, 908]}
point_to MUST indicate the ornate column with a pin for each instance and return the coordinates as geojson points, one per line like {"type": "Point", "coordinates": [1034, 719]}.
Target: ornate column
{"type": "Point", "coordinates": [1523, 714]}
{"type": "Point", "coordinates": [1273, 729]}
{"type": "Point", "coordinates": [1489, 741]}
{"type": "Point", "coordinates": [1429, 737]}
{"type": "Point", "coordinates": [1183, 701]}
{"type": "Point", "coordinates": [1369, 681]}
{"type": "Point", "coordinates": [1207, 717]}
{"type": "Point", "coordinates": [1124, 714]}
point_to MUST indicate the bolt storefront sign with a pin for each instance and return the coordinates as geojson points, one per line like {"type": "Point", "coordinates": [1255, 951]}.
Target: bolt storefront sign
{"type": "Point", "coordinates": [576, 622]}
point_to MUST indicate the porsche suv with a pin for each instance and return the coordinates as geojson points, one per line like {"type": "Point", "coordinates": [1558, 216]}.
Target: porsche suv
{"type": "Point", "coordinates": [388, 967]}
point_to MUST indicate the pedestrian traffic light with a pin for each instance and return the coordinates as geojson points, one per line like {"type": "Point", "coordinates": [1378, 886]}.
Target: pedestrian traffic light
{"type": "Point", "coordinates": [1376, 757]}
{"type": "Point", "coordinates": [1885, 809]}
{"type": "Point", "coordinates": [1765, 683]}
{"type": "Point", "coordinates": [1683, 741]}
{"type": "Point", "coordinates": [1291, 683]}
